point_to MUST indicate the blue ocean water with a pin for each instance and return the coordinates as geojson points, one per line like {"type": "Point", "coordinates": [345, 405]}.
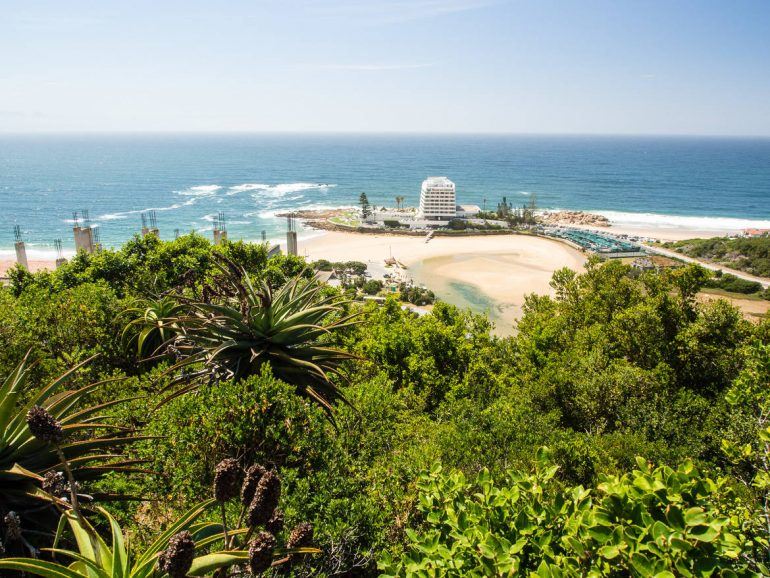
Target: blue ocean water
{"type": "Point", "coordinates": [188, 179]}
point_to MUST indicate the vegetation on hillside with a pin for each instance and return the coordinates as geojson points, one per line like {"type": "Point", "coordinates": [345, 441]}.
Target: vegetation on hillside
{"type": "Point", "coordinates": [649, 402]}
{"type": "Point", "coordinates": [749, 254]}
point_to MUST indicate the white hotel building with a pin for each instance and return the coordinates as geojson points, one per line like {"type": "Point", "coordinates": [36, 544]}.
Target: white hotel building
{"type": "Point", "coordinates": [437, 200]}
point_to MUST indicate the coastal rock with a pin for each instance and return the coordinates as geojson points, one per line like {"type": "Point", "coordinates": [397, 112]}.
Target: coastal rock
{"type": "Point", "coordinates": [574, 218]}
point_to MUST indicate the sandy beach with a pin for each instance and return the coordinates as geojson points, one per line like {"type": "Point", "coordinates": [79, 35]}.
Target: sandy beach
{"type": "Point", "coordinates": [490, 273]}
{"type": "Point", "coordinates": [36, 265]}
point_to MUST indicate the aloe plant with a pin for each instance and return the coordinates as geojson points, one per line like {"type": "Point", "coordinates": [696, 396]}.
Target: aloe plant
{"type": "Point", "coordinates": [28, 464]}
{"type": "Point", "coordinates": [284, 328]}
{"type": "Point", "coordinates": [151, 324]}
{"type": "Point", "coordinates": [95, 558]}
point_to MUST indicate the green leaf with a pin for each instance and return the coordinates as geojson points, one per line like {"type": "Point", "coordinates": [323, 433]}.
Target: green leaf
{"type": "Point", "coordinates": [38, 568]}
{"type": "Point", "coordinates": [204, 565]}
{"type": "Point", "coordinates": [642, 564]}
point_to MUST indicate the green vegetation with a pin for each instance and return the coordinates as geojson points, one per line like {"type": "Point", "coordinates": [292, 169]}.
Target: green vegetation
{"type": "Point", "coordinates": [348, 267]}
{"type": "Point", "coordinates": [416, 295]}
{"type": "Point", "coordinates": [649, 522]}
{"type": "Point", "coordinates": [524, 215]}
{"type": "Point", "coordinates": [751, 254]}
{"type": "Point", "coordinates": [372, 287]}
{"type": "Point", "coordinates": [732, 284]}
{"type": "Point", "coordinates": [366, 208]}
{"type": "Point", "coordinates": [432, 469]}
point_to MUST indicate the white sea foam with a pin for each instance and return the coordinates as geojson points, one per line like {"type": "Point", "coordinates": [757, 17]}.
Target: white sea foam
{"type": "Point", "coordinates": [683, 222]}
{"type": "Point", "coordinates": [260, 190]}
{"type": "Point", "coordinates": [199, 191]}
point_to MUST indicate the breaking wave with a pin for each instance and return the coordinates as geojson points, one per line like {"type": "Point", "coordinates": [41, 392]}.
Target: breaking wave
{"type": "Point", "coordinates": [683, 222]}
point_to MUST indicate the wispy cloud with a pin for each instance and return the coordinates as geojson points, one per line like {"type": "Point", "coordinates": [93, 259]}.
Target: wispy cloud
{"type": "Point", "coordinates": [393, 11]}
{"type": "Point", "coordinates": [372, 67]}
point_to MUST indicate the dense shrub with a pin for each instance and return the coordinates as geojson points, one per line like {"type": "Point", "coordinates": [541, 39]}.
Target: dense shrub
{"type": "Point", "coordinates": [745, 254]}
{"type": "Point", "coordinates": [649, 522]}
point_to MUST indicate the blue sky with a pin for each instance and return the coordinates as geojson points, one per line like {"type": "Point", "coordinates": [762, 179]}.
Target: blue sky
{"type": "Point", "coordinates": [514, 66]}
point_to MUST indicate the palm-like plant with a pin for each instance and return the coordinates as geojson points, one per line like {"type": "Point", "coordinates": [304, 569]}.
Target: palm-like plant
{"type": "Point", "coordinates": [25, 459]}
{"type": "Point", "coordinates": [96, 559]}
{"type": "Point", "coordinates": [151, 324]}
{"type": "Point", "coordinates": [284, 328]}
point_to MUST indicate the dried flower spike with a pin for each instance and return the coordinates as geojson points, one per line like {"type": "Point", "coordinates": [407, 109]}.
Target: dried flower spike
{"type": "Point", "coordinates": [44, 426]}
{"type": "Point", "coordinates": [301, 536]}
{"type": "Point", "coordinates": [261, 552]}
{"type": "Point", "coordinates": [178, 557]}
{"type": "Point", "coordinates": [253, 475]}
{"type": "Point", "coordinates": [55, 483]}
{"type": "Point", "coordinates": [275, 524]}
{"type": "Point", "coordinates": [265, 501]}
{"type": "Point", "coordinates": [12, 526]}
{"type": "Point", "coordinates": [227, 480]}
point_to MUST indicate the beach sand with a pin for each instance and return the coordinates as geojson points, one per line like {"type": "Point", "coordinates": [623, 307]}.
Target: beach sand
{"type": "Point", "coordinates": [490, 273]}
{"type": "Point", "coordinates": [36, 265]}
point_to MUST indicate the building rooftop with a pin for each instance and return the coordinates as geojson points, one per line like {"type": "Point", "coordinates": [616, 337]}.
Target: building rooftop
{"type": "Point", "coordinates": [438, 182]}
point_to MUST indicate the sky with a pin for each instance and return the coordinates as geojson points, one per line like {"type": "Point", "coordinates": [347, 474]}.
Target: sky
{"type": "Point", "coordinates": [500, 66]}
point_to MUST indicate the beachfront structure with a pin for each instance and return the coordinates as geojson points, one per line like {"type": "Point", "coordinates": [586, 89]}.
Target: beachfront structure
{"type": "Point", "coordinates": [467, 211]}
{"type": "Point", "coordinates": [437, 200]}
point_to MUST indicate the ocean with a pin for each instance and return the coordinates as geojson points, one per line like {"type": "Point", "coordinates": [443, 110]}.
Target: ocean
{"type": "Point", "coordinates": [721, 183]}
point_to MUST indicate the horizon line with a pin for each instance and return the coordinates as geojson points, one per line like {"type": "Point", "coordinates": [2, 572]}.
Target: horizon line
{"type": "Point", "coordinates": [374, 133]}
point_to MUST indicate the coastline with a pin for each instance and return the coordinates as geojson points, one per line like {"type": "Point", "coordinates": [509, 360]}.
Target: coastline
{"type": "Point", "coordinates": [488, 273]}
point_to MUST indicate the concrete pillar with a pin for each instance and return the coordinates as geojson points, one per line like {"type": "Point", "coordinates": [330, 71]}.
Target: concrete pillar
{"type": "Point", "coordinates": [21, 255]}
{"type": "Point", "coordinates": [220, 236]}
{"type": "Point", "coordinates": [84, 239]}
{"type": "Point", "coordinates": [291, 242]}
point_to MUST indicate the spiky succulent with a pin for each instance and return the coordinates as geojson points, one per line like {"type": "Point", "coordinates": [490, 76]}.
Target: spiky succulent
{"type": "Point", "coordinates": [151, 324]}
{"type": "Point", "coordinates": [227, 479]}
{"type": "Point", "coordinates": [186, 547]}
{"type": "Point", "coordinates": [265, 501]}
{"type": "Point", "coordinates": [31, 418]}
{"type": "Point", "coordinates": [177, 559]}
{"type": "Point", "coordinates": [44, 426]}
{"type": "Point", "coordinates": [253, 474]}
{"type": "Point", "coordinates": [284, 328]}
{"type": "Point", "coordinates": [261, 550]}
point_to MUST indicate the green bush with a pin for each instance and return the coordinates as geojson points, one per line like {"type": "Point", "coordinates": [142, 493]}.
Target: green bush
{"type": "Point", "coordinates": [372, 287]}
{"type": "Point", "coordinates": [734, 284]}
{"type": "Point", "coordinates": [649, 522]}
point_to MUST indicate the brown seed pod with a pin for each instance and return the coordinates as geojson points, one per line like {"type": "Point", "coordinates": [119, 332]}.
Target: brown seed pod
{"type": "Point", "coordinates": [227, 479]}
{"type": "Point", "coordinates": [44, 426]}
